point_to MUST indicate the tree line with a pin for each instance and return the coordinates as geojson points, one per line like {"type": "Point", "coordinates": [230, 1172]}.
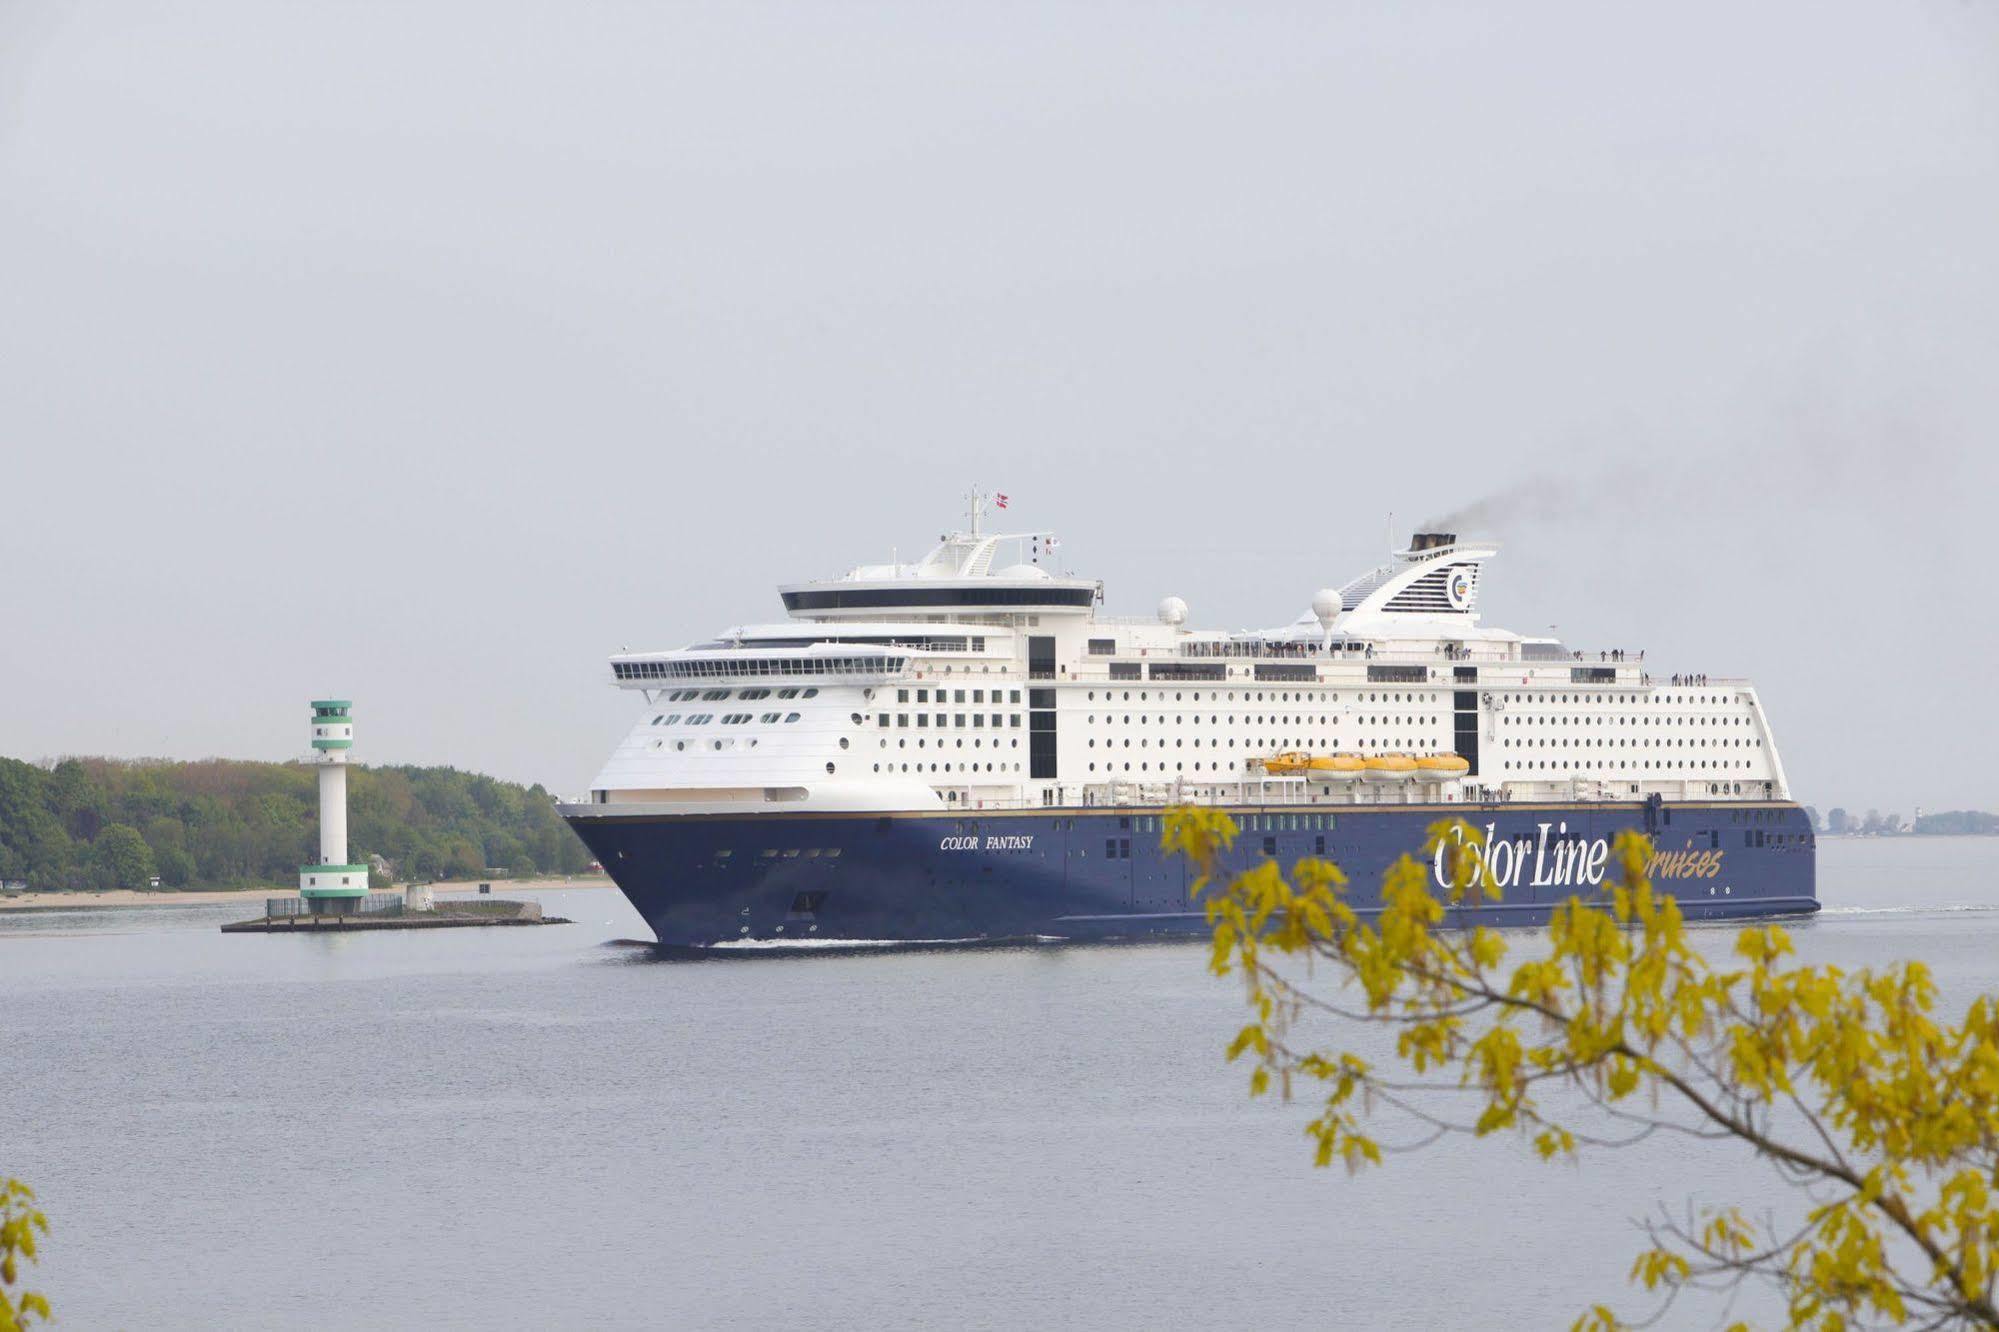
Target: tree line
{"type": "Point", "coordinates": [1949, 822]}
{"type": "Point", "coordinates": [95, 823]}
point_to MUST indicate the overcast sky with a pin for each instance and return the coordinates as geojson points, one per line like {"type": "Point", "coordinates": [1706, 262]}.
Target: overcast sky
{"type": "Point", "coordinates": [427, 353]}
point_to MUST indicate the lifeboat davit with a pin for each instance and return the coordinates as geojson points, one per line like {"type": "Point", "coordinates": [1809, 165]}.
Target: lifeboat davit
{"type": "Point", "coordinates": [1337, 767]}
{"type": "Point", "coordinates": [1442, 767]}
{"type": "Point", "coordinates": [1390, 767]}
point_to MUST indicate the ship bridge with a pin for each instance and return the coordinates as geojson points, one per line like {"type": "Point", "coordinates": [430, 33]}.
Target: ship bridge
{"type": "Point", "coordinates": [968, 575]}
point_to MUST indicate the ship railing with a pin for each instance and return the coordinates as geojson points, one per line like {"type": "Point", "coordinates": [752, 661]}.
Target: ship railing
{"type": "Point", "coordinates": [1287, 791]}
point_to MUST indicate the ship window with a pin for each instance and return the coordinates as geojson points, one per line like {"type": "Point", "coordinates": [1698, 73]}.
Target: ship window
{"type": "Point", "coordinates": [923, 719]}
{"type": "Point", "coordinates": [787, 693]}
{"type": "Point", "coordinates": [902, 696]}
{"type": "Point", "coordinates": [715, 695]}
{"type": "Point", "coordinates": [811, 693]}
{"type": "Point", "coordinates": [881, 719]}
{"type": "Point", "coordinates": [923, 696]}
{"type": "Point", "coordinates": [959, 718]}
{"type": "Point", "coordinates": [902, 719]}
{"type": "Point", "coordinates": [791, 717]}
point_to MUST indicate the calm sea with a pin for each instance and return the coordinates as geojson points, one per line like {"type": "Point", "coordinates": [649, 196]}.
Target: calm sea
{"type": "Point", "coordinates": [538, 1127]}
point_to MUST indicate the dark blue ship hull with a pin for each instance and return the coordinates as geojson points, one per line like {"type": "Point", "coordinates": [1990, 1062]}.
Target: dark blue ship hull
{"type": "Point", "coordinates": [1092, 874]}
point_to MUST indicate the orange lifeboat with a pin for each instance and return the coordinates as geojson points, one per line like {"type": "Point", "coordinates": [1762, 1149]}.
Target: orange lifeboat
{"type": "Point", "coordinates": [1337, 767]}
{"type": "Point", "coordinates": [1442, 767]}
{"type": "Point", "coordinates": [1389, 767]}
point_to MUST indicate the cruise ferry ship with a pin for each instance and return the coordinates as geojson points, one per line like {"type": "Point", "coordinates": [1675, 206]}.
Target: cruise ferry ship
{"type": "Point", "coordinates": [964, 750]}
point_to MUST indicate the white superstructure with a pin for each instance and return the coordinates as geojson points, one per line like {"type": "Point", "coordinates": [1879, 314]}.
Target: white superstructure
{"type": "Point", "coordinates": [979, 678]}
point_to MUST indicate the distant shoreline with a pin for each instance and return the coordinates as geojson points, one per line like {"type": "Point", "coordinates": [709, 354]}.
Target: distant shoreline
{"type": "Point", "coordinates": [126, 897]}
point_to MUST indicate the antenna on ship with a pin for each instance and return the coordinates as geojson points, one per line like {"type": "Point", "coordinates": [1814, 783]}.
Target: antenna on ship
{"type": "Point", "coordinates": [976, 502]}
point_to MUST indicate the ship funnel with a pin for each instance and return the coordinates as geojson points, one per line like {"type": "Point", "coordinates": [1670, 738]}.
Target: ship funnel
{"type": "Point", "coordinates": [1432, 540]}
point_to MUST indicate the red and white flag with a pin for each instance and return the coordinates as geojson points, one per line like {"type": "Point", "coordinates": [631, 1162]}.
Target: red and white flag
{"type": "Point", "coordinates": [1000, 500]}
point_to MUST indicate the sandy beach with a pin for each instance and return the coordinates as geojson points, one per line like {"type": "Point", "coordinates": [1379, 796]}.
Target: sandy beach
{"type": "Point", "coordinates": [124, 897]}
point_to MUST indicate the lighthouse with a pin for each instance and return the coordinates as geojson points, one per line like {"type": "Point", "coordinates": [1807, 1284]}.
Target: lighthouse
{"type": "Point", "coordinates": [333, 886]}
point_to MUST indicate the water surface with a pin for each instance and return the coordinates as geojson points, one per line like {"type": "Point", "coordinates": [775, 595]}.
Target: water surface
{"type": "Point", "coordinates": [510, 1126]}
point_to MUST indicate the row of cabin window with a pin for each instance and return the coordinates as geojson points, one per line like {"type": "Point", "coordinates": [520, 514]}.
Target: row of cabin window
{"type": "Point", "coordinates": [1553, 720]}
{"type": "Point", "coordinates": [746, 695]}
{"type": "Point", "coordinates": [1622, 765]}
{"type": "Point", "coordinates": [1622, 742]}
{"type": "Point", "coordinates": [951, 719]}
{"type": "Point", "coordinates": [732, 719]}
{"type": "Point", "coordinates": [1271, 696]}
{"type": "Point", "coordinates": [1551, 697]}
{"type": "Point", "coordinates": [1293, 743]}
{"type": "Point", "coordinates": [946, 767]}
{"type": "Point", "coordinates": [1555, 696]}
{"type": "Point", "coordinates": [1177, 767]}
{"type": "Point", "coordinates": [958, 695]}
{"type": "Point", "coordinates": [1360, 719]}
{"type": "Point", "coordinates": [977, 742]}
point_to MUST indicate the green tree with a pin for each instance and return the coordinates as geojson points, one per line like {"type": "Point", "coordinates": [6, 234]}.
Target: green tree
{"type": "Point", "coordinates": [176, 867]}
{"type": "Point", "coordinates": [1838, 821]}
{"type": "Point", "coordinates": [123, 856]}
{"type": "Point", "coordinates": [221, 822]}
{"type": "Point", "coordinates": [168, 841]}
{"type": "Point", "coordinates": [21, 1222]}
{"type": "Point", "coordinates": [1848, 1083]}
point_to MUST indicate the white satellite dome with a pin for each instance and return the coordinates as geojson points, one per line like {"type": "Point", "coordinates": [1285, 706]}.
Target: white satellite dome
{"type": "Point", "coordinates": [1019, 571]}
{"type": "Point", "coordinates": [1173, 611]}
{"type": "Point", "coordinates": [1326, 606]}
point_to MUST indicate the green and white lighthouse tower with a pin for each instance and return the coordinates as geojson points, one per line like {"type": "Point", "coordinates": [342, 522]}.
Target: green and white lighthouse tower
{"type": "Point", "coordinates": [332, 886]}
